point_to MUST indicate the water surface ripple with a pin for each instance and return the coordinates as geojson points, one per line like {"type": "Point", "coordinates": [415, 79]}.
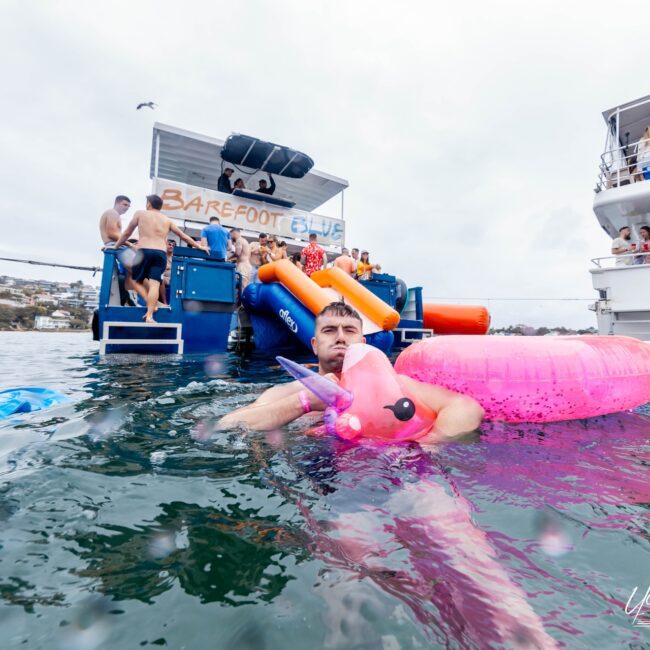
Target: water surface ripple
{"type": "Point", "coordinates": [127, 521]}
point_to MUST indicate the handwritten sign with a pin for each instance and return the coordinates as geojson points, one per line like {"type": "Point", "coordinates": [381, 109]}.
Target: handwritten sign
{"type": "Point", "coordinates": [182, 201]}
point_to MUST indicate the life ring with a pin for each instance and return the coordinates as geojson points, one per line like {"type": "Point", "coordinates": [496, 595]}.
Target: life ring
{"type": "Point", "coordinates": [536, 378]}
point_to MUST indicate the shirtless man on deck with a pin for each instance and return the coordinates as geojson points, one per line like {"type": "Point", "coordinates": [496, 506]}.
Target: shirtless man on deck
{"type": "Point", "coordinates": [110, 229]}
{"type": "Point", "coordinates": [153, 228]}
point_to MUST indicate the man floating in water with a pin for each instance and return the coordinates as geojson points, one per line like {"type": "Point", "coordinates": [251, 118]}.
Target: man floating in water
{"type": "Point", "coordinates": [337, 327]}
{"type": "Point", "coordinates": [153, 228]}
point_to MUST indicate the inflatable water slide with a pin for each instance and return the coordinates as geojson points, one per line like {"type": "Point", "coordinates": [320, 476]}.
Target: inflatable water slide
{"type": "Point", "coordinates": [284, 304]}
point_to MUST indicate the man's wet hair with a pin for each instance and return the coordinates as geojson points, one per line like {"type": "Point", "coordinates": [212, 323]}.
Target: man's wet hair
{"type": "Point", "coordinates": [622, 228]}
{"type": "Point", "coordinates": [121, 197]}
{"type": "Point", "coordinates": [235, 230]}
{"type": "Point", "coordinates": [155, 201]}
{"type": "Point", "coordinates": [313, 236]}
{"type": "Point", "coordinates": [262, 235]}
{"type": "Point", "coordinates": [262, 181]}
{"type": "Point", "coordinates": [355, 249]}
{"type": "Point", "coordinates": [341, 310]}
{"type": "Point", "coordinates": [213, 219]}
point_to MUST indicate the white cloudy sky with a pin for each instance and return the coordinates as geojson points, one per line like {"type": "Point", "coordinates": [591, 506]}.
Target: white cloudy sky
{"type": "Point", "coordinates": [469, 131]}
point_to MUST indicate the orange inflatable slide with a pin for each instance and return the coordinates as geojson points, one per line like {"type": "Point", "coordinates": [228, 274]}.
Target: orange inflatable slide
{"type": "Point", "coordinates": [325, 287]}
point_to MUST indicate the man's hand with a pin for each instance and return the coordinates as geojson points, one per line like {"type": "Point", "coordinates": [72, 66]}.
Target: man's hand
{"type": "Point", "coordinates": [315, 402]}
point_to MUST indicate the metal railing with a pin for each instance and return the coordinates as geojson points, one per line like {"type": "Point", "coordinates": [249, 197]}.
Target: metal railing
{"type": "Point", "coordinates": [644, 256]}
{"type": "Point", "coordinates": [621, 166]}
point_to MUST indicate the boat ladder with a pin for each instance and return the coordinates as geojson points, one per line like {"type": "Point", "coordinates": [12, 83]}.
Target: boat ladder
{"type": "Point", "coordinates": [106, 340]}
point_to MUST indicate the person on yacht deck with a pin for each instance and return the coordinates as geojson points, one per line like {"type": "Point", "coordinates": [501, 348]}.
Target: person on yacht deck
{"type": "Point", "coordinates": [642, 151]}
{"type": "Point", "coordinates": [623, 245]}
{"type": "Point", "coordinates": [239, 184]}
{"type": "Point", "coordinates": [644, 246]}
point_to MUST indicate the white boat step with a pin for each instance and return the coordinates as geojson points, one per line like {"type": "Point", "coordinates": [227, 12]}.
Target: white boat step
{"type": "Point", "coordinates": [106, 340]}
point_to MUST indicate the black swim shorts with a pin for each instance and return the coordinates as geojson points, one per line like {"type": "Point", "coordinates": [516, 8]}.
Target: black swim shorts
{"type": "Point", "coordinates": [151, 266]}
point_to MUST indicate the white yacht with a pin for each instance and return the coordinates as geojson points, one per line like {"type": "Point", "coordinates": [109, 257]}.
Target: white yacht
{"type": "Point", "coordinates": [623, 199]}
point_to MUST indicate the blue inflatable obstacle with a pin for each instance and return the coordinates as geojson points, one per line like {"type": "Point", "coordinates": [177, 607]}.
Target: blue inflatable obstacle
{"type": "Point", "coordinates": [26, 400]}
{"type": "Point", "coordinates": [279, 319]}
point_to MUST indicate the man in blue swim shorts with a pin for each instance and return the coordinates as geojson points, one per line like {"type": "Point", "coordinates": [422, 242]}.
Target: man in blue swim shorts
{"type": "Point", "coordinates": [153, 228]}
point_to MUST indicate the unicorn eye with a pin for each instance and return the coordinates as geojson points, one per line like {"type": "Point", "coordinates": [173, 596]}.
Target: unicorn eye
{"type": "Point", "coordinates": [403, 409]}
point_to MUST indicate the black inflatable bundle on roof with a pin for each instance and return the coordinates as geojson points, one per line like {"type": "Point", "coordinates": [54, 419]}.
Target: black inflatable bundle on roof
{"type": "Point", "coordinates": [273, 158]}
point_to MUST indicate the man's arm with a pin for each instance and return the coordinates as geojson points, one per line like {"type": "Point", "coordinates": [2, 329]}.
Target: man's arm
{"type": "Point", "coordinates": [457, 414]}
{"type": "Point", "coordinates": [272, 188]}
{"type": "Point", "coordinates": [274, 408]}
{"type": "Point", "coordinates": [186, 238]}
{"type": "Point", "coordinates": [133, 224]}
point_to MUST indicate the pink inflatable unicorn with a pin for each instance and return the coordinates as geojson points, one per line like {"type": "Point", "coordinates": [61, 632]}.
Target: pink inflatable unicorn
{"type": "Point", "coordinates": [371, 400]}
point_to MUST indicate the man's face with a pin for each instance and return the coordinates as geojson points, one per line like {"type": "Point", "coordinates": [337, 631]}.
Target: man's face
{"type": "Point", "coordinates": [234, 235]}
{"type": "Point", "coordinates": [170, 246]}
{"type": "Point", "coordinates": [122, 206]}
{"type": "Point", "coordinates": [355, 255]}
{"type": "Point", "coordinates": [331, 340]}
{"type": "Point", "coordinates": [228, 173]}
{"type": "Point", "coordinates": [263, 184]}
{"type": "Point", "coordinates": [264, 241]}
{"type": "Point", "coordinates": [312, 242]}
{"type": "Point", "coordinates": [626, 233]}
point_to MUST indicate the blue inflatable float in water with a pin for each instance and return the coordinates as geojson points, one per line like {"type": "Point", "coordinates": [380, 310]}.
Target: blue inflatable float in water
{"type": "Point", "coordinates": [26, 400]}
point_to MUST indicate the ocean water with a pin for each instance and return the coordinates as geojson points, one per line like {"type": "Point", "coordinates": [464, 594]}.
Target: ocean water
{"type": "Point", "coordinates": [127, 521]}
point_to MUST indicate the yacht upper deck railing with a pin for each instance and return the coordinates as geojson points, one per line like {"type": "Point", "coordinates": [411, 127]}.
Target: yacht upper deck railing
{"type": "Point", "coordinates": [638, 259]}
{"type": "Point", "coordinates": [621, 166]}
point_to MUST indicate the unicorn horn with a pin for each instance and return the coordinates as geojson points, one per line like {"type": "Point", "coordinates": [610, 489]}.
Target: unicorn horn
{"type": "Point", "coordinates": [326, 390]}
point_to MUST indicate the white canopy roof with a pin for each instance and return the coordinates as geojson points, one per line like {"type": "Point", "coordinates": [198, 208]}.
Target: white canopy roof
{"type": "Point", "coordinates": [634, 117]}
{"type": "Point", "coordinates": [195, 159]}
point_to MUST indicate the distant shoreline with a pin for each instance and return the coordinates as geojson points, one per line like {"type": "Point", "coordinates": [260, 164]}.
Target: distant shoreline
{"type": "Point", "coordinates": [56, 331]}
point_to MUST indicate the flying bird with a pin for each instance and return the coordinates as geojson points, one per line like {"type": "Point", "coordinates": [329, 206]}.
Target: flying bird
{"type": "Point", "coordinates": [146, 104]}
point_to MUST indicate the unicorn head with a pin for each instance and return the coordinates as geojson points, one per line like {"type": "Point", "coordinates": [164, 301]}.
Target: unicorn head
{"type": "Point", "coordinates": [371, 400]}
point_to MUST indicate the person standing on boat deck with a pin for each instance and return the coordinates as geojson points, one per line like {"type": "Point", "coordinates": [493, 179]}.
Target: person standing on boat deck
{"type": "Point", "coordinates": [623, 245]}
{"type": "Point", "coordinates": [642, 150]}
{"type": "Point", "coordinates": [239, 184]}
{"type": "Point", "coordinates": [345, 263]}
{"type": "Point", "coordinates": [216, 237]}
{"type": "Point", "coordinates": [313, 256]}
{"type": "Point", "coordinates": [153, 228]}
{"type": "Point", "coordinates": [223, 184]}
{"type": "Point", "coordinates": [263, 189]}
{"type": "Point", "coordinates": [241, 256]}
{"type": "Point", "coordinates": [259, 253]}
{"type": "Point", "coordinates": [167, 275]}
{"type": "Point", "coordinates": [365, 267]}
{"type": "Point", "coordinates": [644, 246]}
{"type": "Point", "coordinates": [110, 229]}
